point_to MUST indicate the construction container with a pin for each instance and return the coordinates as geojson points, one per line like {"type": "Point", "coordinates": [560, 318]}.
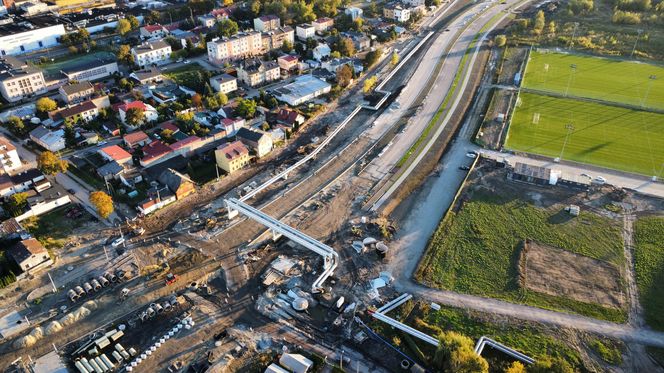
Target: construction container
{"type": "Point", "coordinates": [132, 351]}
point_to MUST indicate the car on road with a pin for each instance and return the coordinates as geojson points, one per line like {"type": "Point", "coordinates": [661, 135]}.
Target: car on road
{"type": "Point", "coordinates": [101, 143]}
{"type": "Point", "coordinates": [464, 168]}
{"type": "Point", "coordinates": [171, 279]}
{"type": "Point", "coordinates": [71, 191]}
{"type": "Point", "coordinates": [117, 242]}
{"type": "Point", "coordinates": [187, 62]}
{"type": "Point", "coordinates": [599, 180]}
{"type": "Point", "coordinates": [138, 231]}
{"type": "Point", "coordinates": [472, 155]}
{"type": "Point", "coordinates": [179, 60]}
{"type": "Point", "coordinates": [586, 175]}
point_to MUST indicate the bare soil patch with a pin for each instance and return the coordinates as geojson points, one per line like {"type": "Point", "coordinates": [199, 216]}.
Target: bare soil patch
{"type": "Point", "coordinates": [558, 272]}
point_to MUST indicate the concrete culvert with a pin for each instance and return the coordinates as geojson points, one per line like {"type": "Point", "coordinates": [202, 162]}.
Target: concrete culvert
{"type": "Point", "coordinates": [113, 278]}
{"type": "Point", "coordinates": [151, 312]}
{"type": "Point", "coordinates": [157, 307]}
{"type": "Point", "coordinates": [96, 286]}
{"type": "Point", "coordinates": [73, 296]}
{"type": "Point", "coordinates": [405, 364]}
{"type": "Point", "coordinates": [103, 281]}
{"type": "Point", "coordinates": [167, 306]}
{"type": "Point", "coordinates": [80, 291]}
{"type": "Point", "coordinates": [87, 287]}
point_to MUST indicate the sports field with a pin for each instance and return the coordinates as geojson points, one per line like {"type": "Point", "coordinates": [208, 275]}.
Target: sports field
{"type": "Point", "coordinates": [608, 136]}
{"type": "Point", "coordinates": [613, 80]}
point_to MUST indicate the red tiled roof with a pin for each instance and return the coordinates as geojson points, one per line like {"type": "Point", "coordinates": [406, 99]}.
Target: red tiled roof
{"type": "Point", "coordinates": [131, 105]}
{"type": "Point", "coordinates": [153, 28]}
{"type": "Point", "coordinates": [185, 142]}
{"type": "Point", "coordinates": [287, 116]}
{"type": "Point", "coordinates": [289, 58]}
{"type": "Point", "coordinates": [115, 152]}
{"type": "Point", "coordinates": [233, 149]}
{"type": "Point", "coordinates": [155, 149]}
{"type": "Point", "coordinates": [135, 137]}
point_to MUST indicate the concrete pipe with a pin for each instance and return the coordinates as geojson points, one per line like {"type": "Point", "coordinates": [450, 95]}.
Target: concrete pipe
{"type": "Point", "coordinates": [87, 287]}
{"type": "Point", "coordinates": [87, 365]}
{"type": "Point", "coordinates": [157, 307]}
{"type": "Point", "coordinates": [151, 312]}
{"type": "Point", "coordinates": [80, 291]}
{"type": "Point", "coordinates": [111, 277]}
{"type": "Point", "coordinates": [116, 355]}
{"type": "Point", "coordinates": [96, 286]}
{"type": "Point", "coordinates": [73, 296]}
{"type": "Point", "coordinates": [143, 316]}
{"type": "Point", "coordinates": [167, 306]}
{"type": "Point", "coordinates": [173, 300]}
{"type": "Point", "coordinates": [103, 281]}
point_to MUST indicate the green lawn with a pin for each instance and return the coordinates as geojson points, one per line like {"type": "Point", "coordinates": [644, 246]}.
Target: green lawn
{"type": "Point", "coordinates": [53, 68]}
{"type": "Point", "coordinates": [607, 136]}
{"type": "Point", "coordinates": [598, 78]}
{"type": "Point", "coordinates": [476, 250]}
{"type": "Point", "coordinates": [649, 265]}
{"type": "Point", "coordinates": [54, 228]}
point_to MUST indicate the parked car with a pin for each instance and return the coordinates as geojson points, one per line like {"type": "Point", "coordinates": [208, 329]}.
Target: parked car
{"type": "Point", "coordinates": [471, 155]}
{"type": "Point", "coordinates": [138, 231]}
{"type": "Point", "coordinates": [586, 175]}
{"type": "Point", "coordinates": [117, 242]}
{"type": "Point", "coordinates": [599, 180]}
{"type": "Point", "coordinates": [464, 168]}
{"type": "Point", "coordinates": [171, 279]}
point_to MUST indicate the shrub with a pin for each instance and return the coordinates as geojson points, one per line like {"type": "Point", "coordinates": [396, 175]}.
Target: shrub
{"type": "Point", "coordinates": [626, 18]}
{"type": "Point", "coordinates": [581, 6]}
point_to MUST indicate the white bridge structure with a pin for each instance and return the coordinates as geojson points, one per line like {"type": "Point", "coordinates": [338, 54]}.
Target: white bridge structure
{"type": "Point", "coordinates": [380, 314]}
{"type": "Point", "coordinates": [330, 257]}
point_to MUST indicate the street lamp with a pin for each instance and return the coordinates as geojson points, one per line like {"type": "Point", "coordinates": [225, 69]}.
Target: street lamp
{"type": "Point", "coordinates": [651, 79]}
{"type": "Point", "coordinates": [569, 80]}
{"type": "Point", "coordinates": [570, 128]}
{"type": "Point", "coordinates": [639, 31]}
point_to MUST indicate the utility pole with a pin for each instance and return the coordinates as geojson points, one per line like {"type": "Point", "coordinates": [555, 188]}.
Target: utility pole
{"type": "Point", "coordinates": [216, 168]}
{"type": "Point", "coordinates": [651, 79]}
{"type": "Point", "coordinates": [639, 31]}
{"type": "Point", "coordinates": [55, 289]}
{"type": "Point", "coordinates": [570, 128]}
{"type": "Point", "coordinates": [569, 80]}
{"type": "Point", "coordinates": [106, 253]}
{"type": "Point", "coordinates": [571, 41]}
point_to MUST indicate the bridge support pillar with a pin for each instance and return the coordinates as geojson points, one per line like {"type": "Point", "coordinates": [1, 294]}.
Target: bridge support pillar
{"type": "Point", "coordinates": [275, 235]}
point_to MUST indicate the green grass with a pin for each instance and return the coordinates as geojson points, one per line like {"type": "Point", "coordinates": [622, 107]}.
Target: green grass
{"type": "Point", "coordinates": [528, 339]}
{"type": "Point", "coordinates": [53, 68]}
{"type": "Point", "coordinates": [88, 176]}
{"type": "Point", "coordinates": [475, 250]}
{"type": "Point", "coordinates": [649, 266]}
{"type": "Point", "coordinates": [54, 228]}
{"type": "Point", "coordinates": [607, 136]}
{"type": "Point", "coordinates": [609, 351]}
{"type": "Point", "coordinates": [598, 78]}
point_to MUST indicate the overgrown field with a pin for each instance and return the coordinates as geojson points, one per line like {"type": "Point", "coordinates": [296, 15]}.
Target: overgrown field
{"type": "Point", "coordinates": [607, 136]}
{"type": "Point", "coordinates": [476, 250]}
{"type": "Point", "coordinates": [598, 78]}
{"type": "Point", "coordinates": [649, 265]}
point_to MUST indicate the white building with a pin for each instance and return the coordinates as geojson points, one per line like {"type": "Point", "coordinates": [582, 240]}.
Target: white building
{"type": "Point", "coordinates": [305, 31]}
{"type": "Point", "coordinates": [255, 72]}
{"type": "Point", "coordinates": [44, 201]}
{"type": "Point", "coordinates": [153, 32]}
{"type": "Point", "coordinates": [18, 39]}
{"type": "Point", "coordinates": [414, 3]}
{"type": "Point", "coordinates": [244, 44]}
{"type": "Point", "coordinates": [150, 114]}
{"type": "Point", "coordinates": [303, 89]}
{"type": "Point", "coordinates": [266, 23]}
{"type": "Point", "coordinates": [47, 139]}
{"type": "Point", "coordinates": [18, 80]}
{"type": "Point", "coordinates": [321, 51]}
{"type": "Point", "coordinates": [90, 71]}
{"type": "Point", "coordinates": [30, 255]}
{"type": "Point", "coordinates": [323, 24]}
{"type": "Point", "coordinates": [151, 53]}
{"type": "Point", "coordinates": [224, 83]}
{"type": "Point", "coordinates": [207, 20]}
{"type": "Point", "coordinates": [9, 159]}
{"type": "Point", "coordinates": [354, 12]}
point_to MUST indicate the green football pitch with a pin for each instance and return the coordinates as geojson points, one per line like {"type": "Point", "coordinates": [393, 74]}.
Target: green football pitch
{"type": "Point", "coordinates": [629, 82]}
{"type": "Point", "coordinates": [607, 136]}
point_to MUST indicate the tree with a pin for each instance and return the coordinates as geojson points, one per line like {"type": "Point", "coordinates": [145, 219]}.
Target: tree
{"type": "Point", "coordinates": [167, 134]}
{"type": "Point", "coordinates": [287, 46]}
{"type": "Point", "coordinates": [246, 108]}
{"type": "Point", "coordinates": [369, 83]}
{"type": "Point", "coordinates": [125, 56]}
{"type": "Point", "coordinates": [102, 202]}
{"type": "Point", "coordinates": [548, 365]}
{"type": "Point", "coordinates": [500, 40]}
{"type": "Point", "coordinates": [45, 104]}
{"type": "Point", "coordinates": [227, 28]}
{"type": "Point", "coordinates": [222, 98]}
{"type": "Point", "coordinates": [153, 17]}
{"type": "Point", "coordinates": [335, 54]}
{"type": "Point", "coordinates": [15, 124]}
{"type": "Point", "coordinates": [327, 8]}
{"type": "Point", "coordinates": [372, 57]}
{"type": "Point", "coordinates": [344, 75]}
{"type": "Point", "coordinates": [50, 164]}
{"type": "Point", "coordinates": [197, 100]}
{"type": "Point", "coordinates": [538, 24]}
{"type": "Point", "coordinates": [123, 27]}
{"type": "Point", "coordinates": [455, 353]}
{"type": "Point", "coordinates": [394, 60]}
{"type": "Point", "coordinates": [133, 22]}
{"type": "Point", "coordinates": [255, 7]}
{"type": "Point", "coordinates": [551, 28]}
{"type": "Point", "coordinates": [302, 11]}
{"type": "Point", "coordinates": [70, 135]}
{"type": "Point", "coordinates": [516, 367]}
{"type": "Point", "coordinates": [346, 47]}
{"type": "Point", "coordinates": [134, 116]}
{"type": "Point", "coordinates": [17, 202]}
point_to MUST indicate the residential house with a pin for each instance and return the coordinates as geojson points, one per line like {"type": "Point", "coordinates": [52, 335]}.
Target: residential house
{"type": "Point", "coordinates": [18, 80]}
{"type": "Point", "coordinates": [267, 23]}
{"type": "Point", "coordinates": [186, 37]}
{"type": "Point", "coordinates": [47, 139]}
{"type": "Point", "coordinates": [41, 201]}
{"type": "Point", "coordinates": [289, 118]}
{"type": "Point", "coordinates": [30, 255]}
{"type": "Point", "coordinates": [6, 186]}
{"type": "Point", "coordinates": [288, 63]}
{"type": "Point", "coordinates": [335, 64]}
{"type": "Point", "coordinates": [150, 114]}
{"type": "Point", "coordinates": [353, 12]}
{"type": "Point", "coordinates": [158, 197]}
{"type": "Point", "coordinates": [155, 152]}
{"type": "Point", "coordinates": [254, 72]}
{"type": "Point", "coordinates": [111, 171]}
{"type": "Point", "coordinates": [396, 12]}
{"type": "Point", "coordinates": [186, 147]}
{"type": "Point", "coordinates": [9, 159]}
{"type": "Point", "coordinates": [152, 53]}
{"type": "Point", "coordinates": [232, 156]}
{"type": "Point", "coordinates": [303, 89]}
{"type": "Point", "coordinates": [222, 13]}
{"type": "Point", "coordinates": [414, 3]}
{"type": "Point", "coordinates": [148, 76]}
{"type": "Point", "coordinates": [240, 45]}
{"type": "Point", "coordinates": [232, 125]}
{"type": "Point", "coordinates": [323, 24]}
{"type": "Point", "coordinates": [224, 83]}
{"type": "Point", "coordinates": [360, 40]}
{"type": "Point", "coordinates": [178, 183]}
{"type": "Point", "coordinates": [138, 138]}
{"type": "Point", "coordinates": [153, 32]}
{"type": "Point", "coordinates": [83, 112]}
{"type": "Point", "coordinates": [115, 153]}
{"type": "Point", "coordinates": [305, 31]}
{"type": "Point", "coordinates": [77, 92]}
{"type": "Point", "coordinates": [276, 38]}
{"type": "Point", "coordinates": [20, 182]}
{"type": "Point", "coordinates": [259, 142]}
{"type": "Point", "coordinates": [207, 20]}
{"type": "Point", "coordinates": [321, 51]}
{"type": "Point", "coordinates": [112, 128]}
{"type": "Point", "coordinates": [89, 70]}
